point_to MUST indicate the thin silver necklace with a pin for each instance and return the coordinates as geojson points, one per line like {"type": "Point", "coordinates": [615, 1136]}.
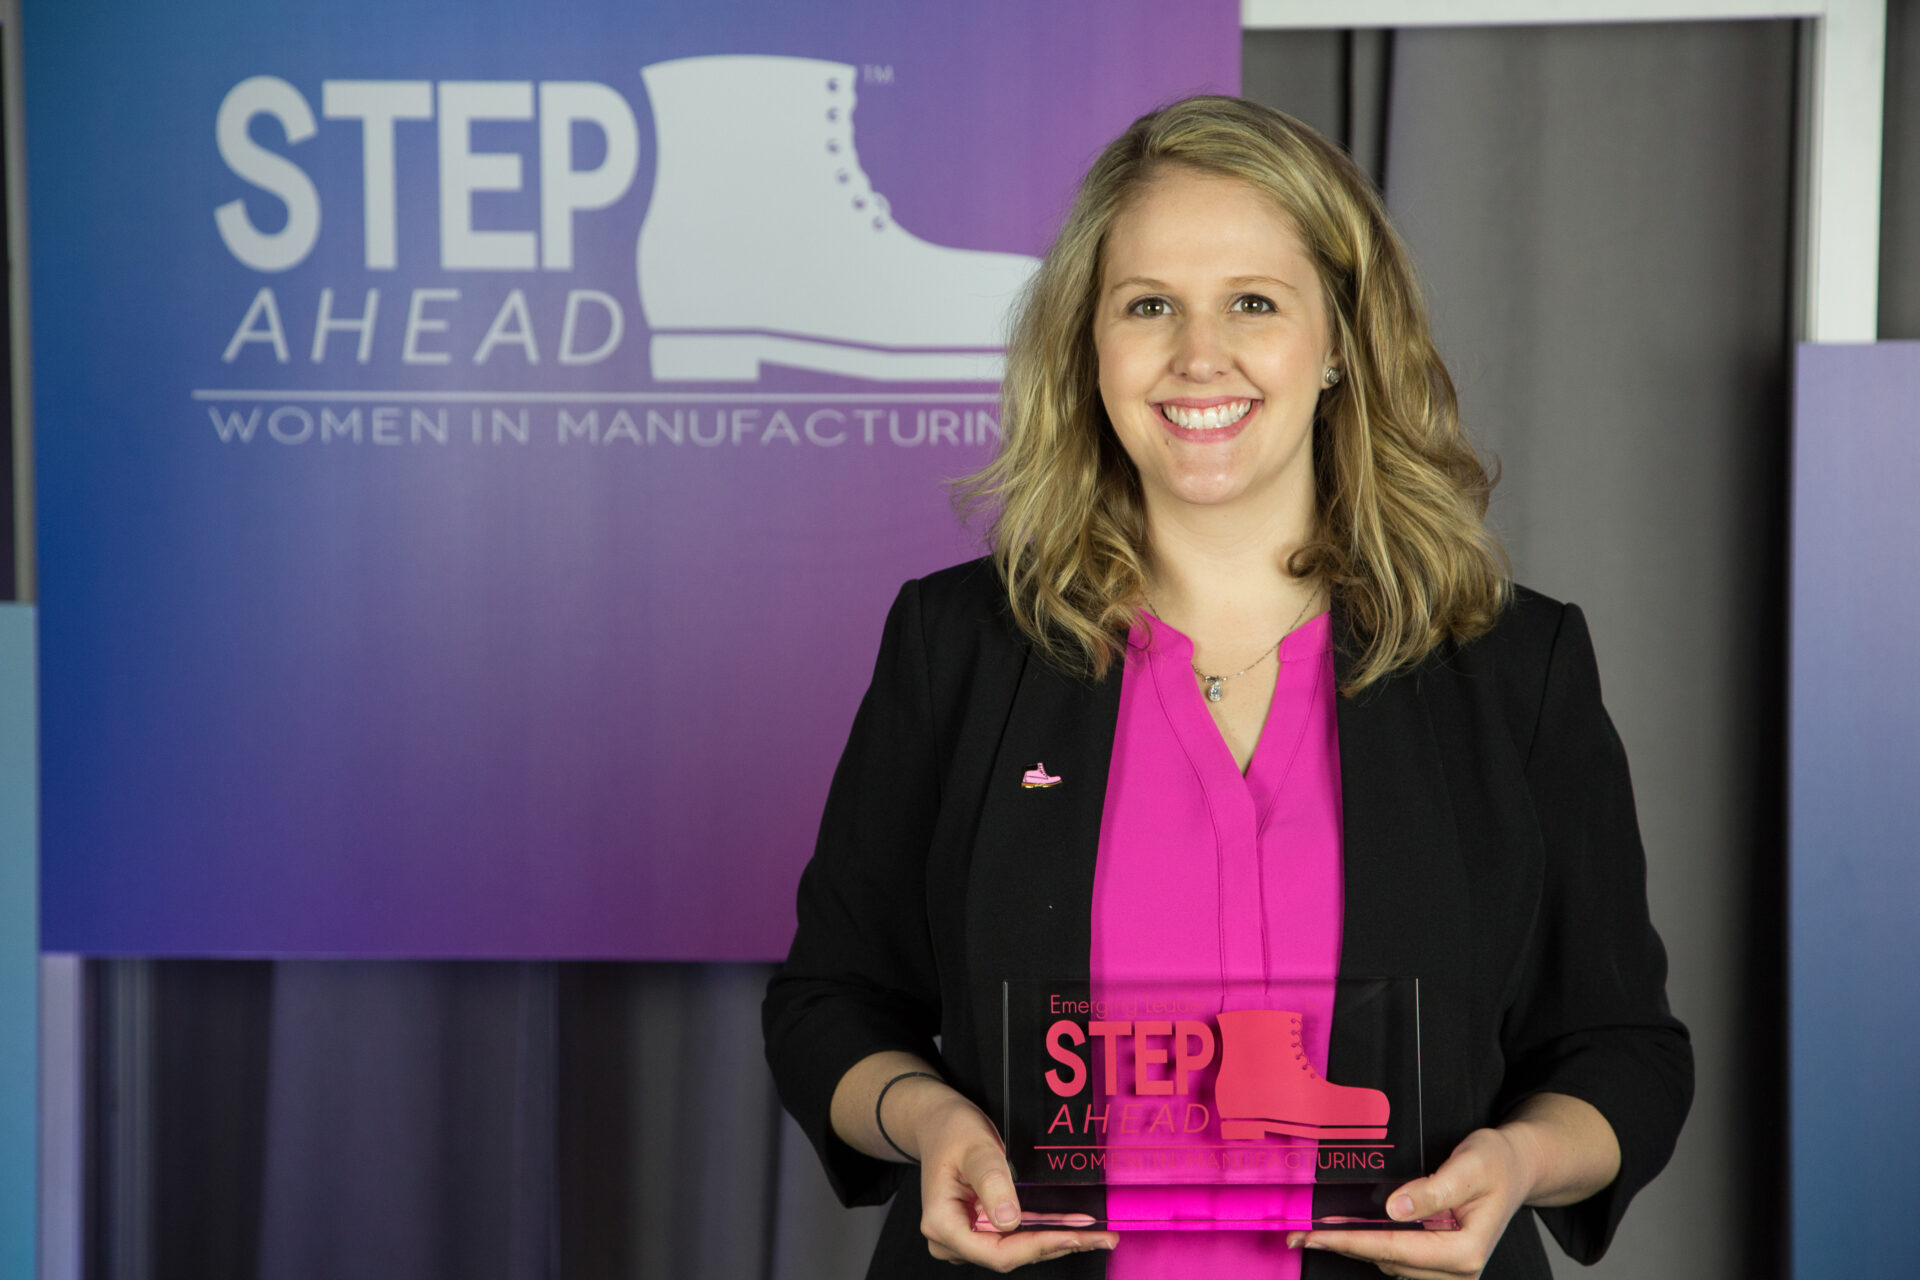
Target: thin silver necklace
{"type": "Point", "coordinates": [1216, 685]}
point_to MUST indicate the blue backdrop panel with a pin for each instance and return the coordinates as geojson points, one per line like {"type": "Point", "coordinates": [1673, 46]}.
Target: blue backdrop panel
{"type": "Point", "coordinates": [19, 952]}
{"type": "Point", "coordinates": [476, 442]}
{"type": "Point", "coordinates": [1855, 826]}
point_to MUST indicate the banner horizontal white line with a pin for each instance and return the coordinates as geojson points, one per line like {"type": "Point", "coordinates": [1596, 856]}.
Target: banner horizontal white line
{"type": "Point", "coordinates": [602, 397]}
{"type": "Point", "coordinates": [1258, 15]}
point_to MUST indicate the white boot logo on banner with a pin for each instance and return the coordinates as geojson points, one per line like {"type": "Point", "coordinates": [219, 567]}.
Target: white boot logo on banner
{"type": "Point", "coordinates": [810, 272]}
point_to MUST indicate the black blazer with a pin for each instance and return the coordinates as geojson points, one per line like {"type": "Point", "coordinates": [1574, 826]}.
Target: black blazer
{"type": "Point", "coordinates": [1491, 849]}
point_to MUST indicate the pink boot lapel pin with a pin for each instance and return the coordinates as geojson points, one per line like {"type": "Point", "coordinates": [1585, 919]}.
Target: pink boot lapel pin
{"type": "Point", "coordinates": [1039, 777]}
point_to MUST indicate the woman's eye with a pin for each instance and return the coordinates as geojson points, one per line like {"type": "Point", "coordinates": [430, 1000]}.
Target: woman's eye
{"type": "Point", "coordinates": [1149, 307]}
{"type": "Point", "coordinates": [1253, 304]}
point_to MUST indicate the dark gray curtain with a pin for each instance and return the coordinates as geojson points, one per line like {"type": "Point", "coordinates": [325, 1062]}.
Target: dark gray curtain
{"type": "Point", "coordinates": [1604, 217]}
{"type": "Point", "coordinates": [1900, 194]}
{"type": "Point", "coordinates": [11, 483]}
{"type": "Point", "coordinates": [492, 1121]}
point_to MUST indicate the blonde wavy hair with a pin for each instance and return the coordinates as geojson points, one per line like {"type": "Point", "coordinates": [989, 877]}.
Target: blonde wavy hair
{"type": "Point", "coordinates": [1400, 540]}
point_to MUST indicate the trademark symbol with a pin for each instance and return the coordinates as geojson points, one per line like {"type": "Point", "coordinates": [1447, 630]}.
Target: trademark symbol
{"type": "Point", "coordinates": [876, 74]}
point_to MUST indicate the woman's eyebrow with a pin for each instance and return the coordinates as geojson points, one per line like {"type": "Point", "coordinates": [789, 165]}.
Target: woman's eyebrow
{"type": "Point", "coordinates": [1237, 282]}
{"type": "Point", "coordinates": [1244, 282]}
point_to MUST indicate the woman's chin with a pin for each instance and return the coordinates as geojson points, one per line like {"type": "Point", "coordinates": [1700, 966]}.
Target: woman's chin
{"type": "Point", "coordinates": [1206, 492]}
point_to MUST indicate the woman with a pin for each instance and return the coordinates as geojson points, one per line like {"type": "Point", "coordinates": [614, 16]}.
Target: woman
{"type": "Point", "coordinates": [1241, 608]}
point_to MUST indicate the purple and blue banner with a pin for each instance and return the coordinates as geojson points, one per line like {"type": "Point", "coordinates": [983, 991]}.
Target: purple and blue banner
{"type": "Point", "coordinates": [476, 443]}
{"type": "Point", "coordinates": [1854, 852]}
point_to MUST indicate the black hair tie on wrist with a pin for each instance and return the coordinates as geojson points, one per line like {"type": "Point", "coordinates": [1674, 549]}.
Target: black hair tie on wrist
{"type": "Point", "coordinates": [880, 1124]}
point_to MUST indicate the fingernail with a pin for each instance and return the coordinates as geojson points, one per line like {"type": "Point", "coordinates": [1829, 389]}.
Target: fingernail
{"type": "Point", "coordinates": [1400, 1207]}
{"type": "Point", "coordinates": [1294, 1238]}
{"type": "Point", "coordinates": [1109, 1245]}
{"type": "Point", "coordinates": [1314, 1244]}
{"type": "Point", "coordinates": [1006, 1215]}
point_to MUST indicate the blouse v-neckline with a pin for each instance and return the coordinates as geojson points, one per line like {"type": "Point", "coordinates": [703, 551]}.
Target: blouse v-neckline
{"type": "Point", "coordinates": [1169, 660]}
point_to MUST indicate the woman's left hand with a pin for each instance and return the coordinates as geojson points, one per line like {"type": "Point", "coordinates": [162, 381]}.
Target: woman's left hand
{"type": "Point", "coordinates": [1552, 1150]}
{"type": "Point", "coordinates": [1484, 1182]}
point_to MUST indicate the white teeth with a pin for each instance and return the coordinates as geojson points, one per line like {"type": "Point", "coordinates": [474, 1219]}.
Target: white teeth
{"type": "Point", "coordinates": [1223, 415]}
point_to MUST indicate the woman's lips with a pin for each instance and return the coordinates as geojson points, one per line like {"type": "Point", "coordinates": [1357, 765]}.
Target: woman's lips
{"type": "Point", "coordinates": [1207, 421]}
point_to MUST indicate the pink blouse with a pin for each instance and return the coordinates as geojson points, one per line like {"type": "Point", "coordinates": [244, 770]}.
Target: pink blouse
{"type": "Point", "coordinates": [1207, 875]}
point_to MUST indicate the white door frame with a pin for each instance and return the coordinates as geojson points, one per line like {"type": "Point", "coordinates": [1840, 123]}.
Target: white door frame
{"type": "Point", "coordinates": [1843, 84]}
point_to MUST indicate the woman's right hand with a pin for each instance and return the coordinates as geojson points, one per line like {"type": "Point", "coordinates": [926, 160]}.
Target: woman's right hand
{"type": "Point", "coordinates": [895, 1106]}
{"type": "Point", "coordinates": [963, 1172]}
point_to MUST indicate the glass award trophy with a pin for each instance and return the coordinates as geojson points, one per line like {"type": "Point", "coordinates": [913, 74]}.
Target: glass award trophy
{"type": "Point", "coordinates": [1209, 1106]}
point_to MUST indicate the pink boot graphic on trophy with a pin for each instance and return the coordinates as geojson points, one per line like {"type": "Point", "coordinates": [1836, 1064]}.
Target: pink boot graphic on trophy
{"type": "Point", "coordinates": [1266, 1085]}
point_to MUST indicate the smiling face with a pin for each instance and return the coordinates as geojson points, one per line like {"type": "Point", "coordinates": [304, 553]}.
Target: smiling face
{"type": "Point", "coordinates": [1213, 338]}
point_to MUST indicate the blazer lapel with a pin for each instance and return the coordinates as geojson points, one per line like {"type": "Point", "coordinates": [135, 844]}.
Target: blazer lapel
{"type": "Point", "coordinates": [1030, 889]}
{"type": "Point", "coordinates": [1407, 910]}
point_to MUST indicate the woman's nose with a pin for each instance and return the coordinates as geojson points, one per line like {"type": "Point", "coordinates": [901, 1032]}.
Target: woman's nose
{"type": "Point", "coordinates": [1203, 348]}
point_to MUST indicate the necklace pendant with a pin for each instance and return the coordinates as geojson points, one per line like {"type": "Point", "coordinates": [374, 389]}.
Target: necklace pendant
{"type": "Point", "coordinates": [1216, 690]}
